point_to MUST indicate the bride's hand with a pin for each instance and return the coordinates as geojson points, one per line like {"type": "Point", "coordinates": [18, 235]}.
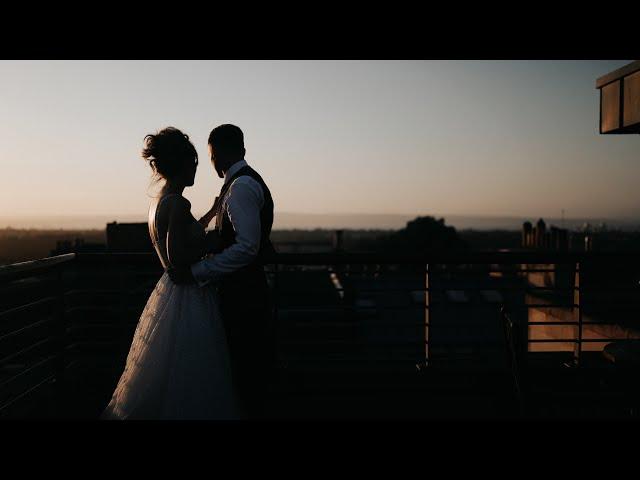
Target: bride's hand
{"type": "Point", "coordinates": [206, 219]}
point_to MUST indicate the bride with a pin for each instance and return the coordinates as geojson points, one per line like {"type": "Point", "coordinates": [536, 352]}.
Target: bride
{"type": "Point", "coordinates": [178, 365]}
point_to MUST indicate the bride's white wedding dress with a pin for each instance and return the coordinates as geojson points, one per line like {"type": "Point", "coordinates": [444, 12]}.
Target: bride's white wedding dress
{"type": "Point", "coordinates": [178, 365]}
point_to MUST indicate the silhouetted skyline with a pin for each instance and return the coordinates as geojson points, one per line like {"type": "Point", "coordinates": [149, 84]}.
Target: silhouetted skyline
{"type": "Point", "coordinates": [292, 220]}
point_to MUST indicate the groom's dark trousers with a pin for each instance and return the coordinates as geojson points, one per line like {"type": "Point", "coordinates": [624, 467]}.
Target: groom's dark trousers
{"type": "Point", "coordinates": [247, 315]}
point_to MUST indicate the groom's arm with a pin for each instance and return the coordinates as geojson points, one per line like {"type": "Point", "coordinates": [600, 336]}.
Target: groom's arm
{"type": "Point", "coordinates": [243, 206]}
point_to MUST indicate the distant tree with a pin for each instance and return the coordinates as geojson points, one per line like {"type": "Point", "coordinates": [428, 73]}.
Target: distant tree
{"type": "Point", "coordinates": [420, 235]}
{"type": "Point", "coordinates": [426, 233]}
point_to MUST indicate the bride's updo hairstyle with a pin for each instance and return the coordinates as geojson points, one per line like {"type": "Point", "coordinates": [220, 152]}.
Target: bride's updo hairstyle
{"type": "Point", "coordinates": [169, 152]}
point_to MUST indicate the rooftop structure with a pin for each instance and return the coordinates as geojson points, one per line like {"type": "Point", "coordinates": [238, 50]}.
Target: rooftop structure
{"type": "Point", "coordinates": [620, 100]}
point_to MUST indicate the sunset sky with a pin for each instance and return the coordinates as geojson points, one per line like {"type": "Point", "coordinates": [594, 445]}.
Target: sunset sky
{"type": "Point", "coordinates": [513, 138]}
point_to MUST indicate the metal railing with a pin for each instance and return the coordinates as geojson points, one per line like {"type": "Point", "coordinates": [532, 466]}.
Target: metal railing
{"type": "Point", "coordinates": [63, 319]}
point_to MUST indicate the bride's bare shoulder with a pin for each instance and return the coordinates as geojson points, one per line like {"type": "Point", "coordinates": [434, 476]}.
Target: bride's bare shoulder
{"type": "Point", "coordinates": [177, 207]}
{"type": "Point", "coordinates": [170, 206]}
{"type": "Point", "coordinates": [177, 201]}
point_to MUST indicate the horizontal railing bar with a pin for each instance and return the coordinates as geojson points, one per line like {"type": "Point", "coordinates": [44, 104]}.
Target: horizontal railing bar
{"type": "Point", "coordinates": [97, 291]}
{"type": "Point", "coordinates": [25, 350]}
{"type": "Point", "coordinates": [27, 306]}
{"type": "Point", "coordinates": [527, 305]}
{"type": "Point", "coordinates": [115, 323]}
{"type": "Point", "coordinates": [31, 326]}
{"type": "Point", "coordinates": [419, 289]}
{"type": "Point", "coordinates": [298, 292]}
{"type": "Point", "coordinates": [435, 306]}
{"type": "Point", "coordinates": [453, 258]}
{"type": "Point", "coordinates": [300, 342]}
{"type": "Point", "coordinates": [24, 269]}
{"type": "Point", "coordinates": [590, 302]}
{"type": "Point", "coordinates": [421, 268]}
{"type": "Point", "coordinates": [357, 323]}
{"type": "Point", "coordinates": [90, 308]}
{"type": "Point", "coordinates": [27, 392]}
{"type": "Point", "coordinates": [601, 340]}
{"type": "Point", "coordinates": [79, 344]}
{"type": "Point", "coordinates": [584, 340]}
{"type": "Point", "coordinates": [438, 324]}
{"type": "Point", "coordinates": [7, 381]}
{"type": "Point", "coordinates": [600, 323]}
{"type": "Point", "coordinates": [552, 340]}
{"type": "Point", "coordinates": [342, 308]}
{"type": "Point", "coordinates": [442, 290]}
{"type": "Point", "coordinates": [573, 323]}
{"type": "Point", "coordinates": [130, 258]}
{"type": "Point", "coordinates": [105, 293]}
{"type": "Point", "coordinates": [552, 323]}
{"type": "Point", "coordinates": [435, 257]}
{"type": "Point", "coordinates": [377, 344]}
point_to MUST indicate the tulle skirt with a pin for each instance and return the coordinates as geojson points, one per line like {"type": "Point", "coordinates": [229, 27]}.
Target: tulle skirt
{"type": "Point", "coordinates": [178, 365]}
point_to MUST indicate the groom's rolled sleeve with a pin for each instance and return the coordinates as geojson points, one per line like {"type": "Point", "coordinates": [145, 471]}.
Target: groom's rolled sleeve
{"type": "Point", "coordinates": [243, 205]}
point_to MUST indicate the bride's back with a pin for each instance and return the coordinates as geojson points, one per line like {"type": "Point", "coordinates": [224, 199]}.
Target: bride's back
{"type": "Point", "coordinates": [159, 226]}
{"type": "Point", "coordinates": [160, 214]}
{"type": "Point", "coordinates": [192, 232]}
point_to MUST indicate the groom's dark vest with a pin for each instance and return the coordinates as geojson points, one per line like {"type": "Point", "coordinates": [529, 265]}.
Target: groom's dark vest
{"type": "Point", "coordinates": [255, 268]}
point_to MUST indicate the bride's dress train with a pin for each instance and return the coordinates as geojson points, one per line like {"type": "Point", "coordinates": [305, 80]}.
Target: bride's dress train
{"type": "Point", "coordinates": [178, 365]}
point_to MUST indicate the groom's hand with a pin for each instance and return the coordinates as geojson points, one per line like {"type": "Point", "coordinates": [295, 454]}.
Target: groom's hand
{"type": "Point", "coordinates": [214, 242]}
{"type": "Point", "coordinates": [181, 275]}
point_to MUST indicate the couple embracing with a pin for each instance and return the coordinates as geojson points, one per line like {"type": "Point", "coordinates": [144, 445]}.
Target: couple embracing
{"type": "Point", "coordinates": [202, 348]}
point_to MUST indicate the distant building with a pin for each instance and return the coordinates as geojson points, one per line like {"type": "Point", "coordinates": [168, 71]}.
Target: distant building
{"type": "Point", "coordinates": [338, 242]}
{"type": "Point", "coordinates": [77, 246]}
{"type": "Point", "coordinates": [128, 237]}
{"type": "Point", "coordinates": [332, 243]}
{"type": "Point", "coordinates": [539, 237]}
{"type": "Point", "coordinates": [527, 235]}
{"type": "Point", "coordinates": [540, 231]}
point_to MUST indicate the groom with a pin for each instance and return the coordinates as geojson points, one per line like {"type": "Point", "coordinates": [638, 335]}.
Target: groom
{"type": "Point", "coordinates": [243, 221]}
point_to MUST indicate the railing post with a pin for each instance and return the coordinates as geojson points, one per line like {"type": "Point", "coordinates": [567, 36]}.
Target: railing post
{"type": "Point", "coordinates": [427, 315]}
{"type": "Point", "coordinates": [60, 338]}
{"type": "Point", "coordinates": [521, 316]}
{"type": "Point", "coordinates": [123, 341]}
{"type": "Point", "coordinates": [275, 325]}
{"type": "Point", "coordinates": [577, 313]}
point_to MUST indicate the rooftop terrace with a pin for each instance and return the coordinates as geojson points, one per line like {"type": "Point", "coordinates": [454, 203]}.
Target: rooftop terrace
{"type": "Point", "coordinates": [445, 335]}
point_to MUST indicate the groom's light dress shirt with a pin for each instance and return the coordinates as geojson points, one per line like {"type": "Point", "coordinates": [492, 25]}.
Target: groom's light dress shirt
{"type": "Point", "coordinates": [242, 202]}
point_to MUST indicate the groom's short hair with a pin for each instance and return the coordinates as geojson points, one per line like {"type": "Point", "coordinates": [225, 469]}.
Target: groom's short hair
{"type": "Point", "coordinates": [228, 139]}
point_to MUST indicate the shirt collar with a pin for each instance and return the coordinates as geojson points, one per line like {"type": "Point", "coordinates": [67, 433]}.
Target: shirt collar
{"type": "Point", "coordinates": [234, 169]}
